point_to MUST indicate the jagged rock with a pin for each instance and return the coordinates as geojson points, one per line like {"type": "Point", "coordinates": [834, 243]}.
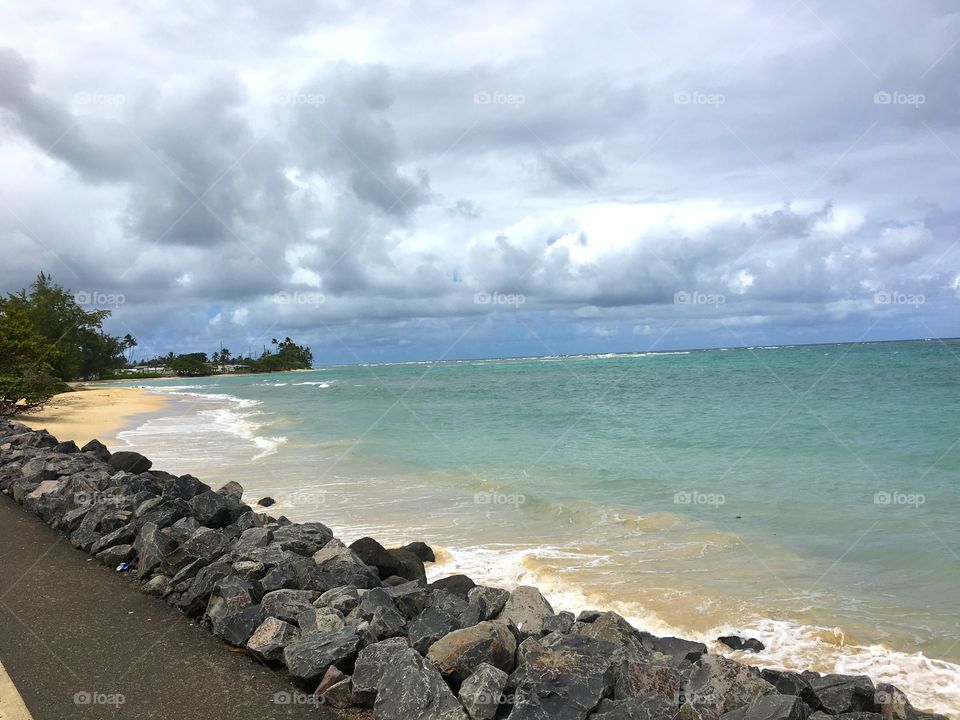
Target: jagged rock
{"type": "Point", "coordinates": [838, 694]}
{"type": "Point", "coordinates": [229, 596]}
{"type": "Point", "coordinates": [374, 599]}
{"type": "Point", "coordinates": [459, 653]}
{"type": "Point", "coordinates": [526, 610]}
{"type": "Point", "coordinates": [481, 693]}
{"type": "Point", "coordinates": [184, 528]}
{"type": "Point", "coordinates": [308, 658]}
{"type": "Point", "coordinates": [330, 678]}
{"type": "Point", "coordinates": [158, 585]}
{"type": "Point", "coordinates": [493, 598]}
{"type": "Point", "coordinates": [131, 462]}
{"type": "Point", "coordinates": [720, 685]}
{"type": "Point", "coordinates": [205, 544]}
{"type": "Point", "coordinates": [339, 695]}
{"type": "Point", "coordinates": [289, 604]}
{"type": "Point", "coordinates": [771, 707]}
{"type": "Point", "coordinates": [185, 487]}
{"type": "Point", "coordinates": [237, 628]}
{"type": "Point", "coordinates": [97, 449]}
{"type": "Point", "coordinates": [653, 707]}
{"type": "Point", "coordinates": [304, 539]}
{"type": "Point", "coordinates": [637, 679]}
{"type": "Point", "coordinates": [268, 641]}
{"type": "Point", "coordinates": [266, 502]}
{"type": "Point", "coordinates": [319, 620]}
{"type": "Point", "coordinates": [342, 599]}
{"type": "Point", "coordinates": [421, 550]}
{"type": "Point", "coordinates": [373, 553]}
{"type": "Point", "coordinates": [410, 597]}
{"type": "Point", "coordinates": [588, 616]}
{"type": "Point", "coordinates": [210, 509]}
{"type": "Point", "coordinates": [459, 585]}
{"type": "Point", "coordinates": [371, 666]}
{"type": "Point", "coordinates": [342, 566]}
{"type": "Point", "coordinates": [151, 547]}
{"type": "Point", "coordinates": [409, 566]}
{"type": "Point", "coordinates": [194, 599]}
{"type": "Point", "coordinates": [412, 689]}
{"type": "Point", "coordinates": [791, 683]}
{"type": "Point", "coordinates": [115, 554]}
{"type": "Point", "coordinates": [562, 680]}
{"type": "Point", "coordinates": [562, 622]}
{"type": "Point", "coordinates": [121, 536]}
{"type": "Point", "coordinates": [820, 715]}
{"type": "Point", "coordinates": [612, 628]}
{"type": "Point", "coordinates": [734, 642]}
{"type": "Point", "coordinates": [387, 623]}
{"type": "Point", "coordinates": [249, 570]}
{"type": "Point", "coordinates": [252, 538]}
{"type": "Point", "coordinates": [677, 648]}
{"type": "Point", "coordinates": [232, 490]}
{"type": "Point", "coordinates": [428, 627]}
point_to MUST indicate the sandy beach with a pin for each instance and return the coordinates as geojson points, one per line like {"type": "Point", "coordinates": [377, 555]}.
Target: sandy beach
{"type": "Point", "coordinates": [93, 412]}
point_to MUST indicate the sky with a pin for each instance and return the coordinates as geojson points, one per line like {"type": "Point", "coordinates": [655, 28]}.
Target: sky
{"type": "Point", "coordinates": [388, 181]}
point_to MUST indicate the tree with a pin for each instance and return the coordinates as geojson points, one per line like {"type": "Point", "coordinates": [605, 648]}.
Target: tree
{"type": "Point", "coordinates": [191, 365]}
{"type": "Point", "coordinates": [129, 343]}
{"type": "Point", "coordinates": [26, 375]}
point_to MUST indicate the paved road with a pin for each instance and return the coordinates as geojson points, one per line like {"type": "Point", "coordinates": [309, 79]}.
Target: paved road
{"type": "Point", "coordinates": [80, 641]}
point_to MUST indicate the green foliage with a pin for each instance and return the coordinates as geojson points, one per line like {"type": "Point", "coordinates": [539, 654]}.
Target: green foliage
{"type": "Point", "coordinates": [26, 375]}
{"type": "Point", "coordinates": [191, 365]}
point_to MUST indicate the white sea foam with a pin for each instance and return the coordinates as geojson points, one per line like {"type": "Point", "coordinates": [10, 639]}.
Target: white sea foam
{"type": "Point", "coordinates": [318, 384]}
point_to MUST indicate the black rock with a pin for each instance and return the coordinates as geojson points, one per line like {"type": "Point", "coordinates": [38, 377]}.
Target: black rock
{"type": "Point", "coordinates": [185, 487]}
{"type": "Point", "coordinates": [342, 566]}
{"type": "Point", "coordinates": [97, 449]}
{"type": "Point", "coordinates": [229, 596]}
{"type": "Point", "coordinates": [342, 599]}
{"type": "Point", "coordinates": [562, 622]}
{"type": "Point", "coordinates": [412, 689]}
{"type": "Point", "coordinates": [735, 642]}
{"type": "Point", "coordinates": [115, 554]}
{"type": "Point", "coordinates": [459, 585]}
{"type": "Point", "coordinates": [266, 502]}
{"type": "Point", "coordinates": [458, 654]}
{"type": "Point", "coordinates": [791, 683]}
{"type": "Point", "coordinates": [151, 547]}
{"type": "Point", "coordinates": [482, 692]}
{"type": "Point", "coordinates": [309, 658]}
{"type": "Point", "coordinates": [677, 648]}
{"type": "Point", "coordinates": [371, 666]}
{"type": "Point", "coordinates": [428, 627]}
{"type": "Point", "coordinates": [409, 566]}
{"type": "Point", "coordinates": [121, 536]}
{"type": "Point", "coordinates": [237, 627]}
{"type": "Point", "coordinates": [493, 599]}
{"type": "Point", "coordinates": [288, 604]}
{"type": "Point", "coordinates": [421, 550]}
{"type": "Point", "coordinates": [838, 694]}
{"type": "Point", "coordinates": [131, 462]}
{"type": "Point", "coordinates": [68, 446]}
{"type": "Point", "coordinates": [270, 638]}
{"type": "Point", "coordinates": [611, 628]}
{"type": "Point", "coordinates": [210, 509]}
{"type": "Point", "coordinates": [526, 610]}
{"type": "Point", "coordinates": [639, 679]}
{"type": "Point", "coordinates": [232, 490]}
{"type": "Point", "coordinates": [387, 623]}
{"type": "Point", "coordinates": [303, 538]}
{"type": "Point", "coordinates": [648, 708]}
{"type": "Point", "coordinates": [771, 707]}
{"type": "Point", "coordinates": [373, 553]}
{"type": "Point", "coordinates": [719, 685]}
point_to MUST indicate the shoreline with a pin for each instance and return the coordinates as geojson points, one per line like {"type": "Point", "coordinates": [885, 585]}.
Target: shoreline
{"type": "Point", "coordinates": [85, 413]}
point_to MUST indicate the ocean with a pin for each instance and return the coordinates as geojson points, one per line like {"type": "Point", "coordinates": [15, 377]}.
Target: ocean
{"type": "Point", "coordinates": [807, 496]}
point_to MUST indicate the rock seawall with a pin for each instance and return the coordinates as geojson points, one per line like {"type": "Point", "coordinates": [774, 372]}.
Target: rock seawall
{"type": "Point", "coordinates": [360, 626]}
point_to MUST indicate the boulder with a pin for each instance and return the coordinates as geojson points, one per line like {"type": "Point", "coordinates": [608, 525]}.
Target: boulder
{"type": "Point", "coordinates": [373, 553]}
{"type": "Point", "coordinates": [266, 501]}
{"type": "Point", "coordinates": [838, 694]}
{"type": "Point", "coordinates": [771, 707]}
{"type": "Point", "coordinates": [121, 536]}
{"type": "Point", "coordinates": [526, 610]}
{"type": "Point", "coordinates": [653, 707]}
{"type": "Point", "coordinates": [184, 528]}
{"type": "Point", "coordinates": [409, 566]}
{"type": "Point", "coordinates": [339, 695]}
{"type": "Point", "coordinates": [158, 585]}
{"type": "Point", "coordinates": [268, 641]}
{"type": "Point", "coordinates": [115, 554]}
{"type": "Point", "coordinates": [412, 689]}
{"type": "Point", "coordinates": [735, 642]}
{"type": "Point", "coordinates": [421, 550]}
{"type": "Point", "coordinates": [342, 566]}
{"type": "Point", "coordinates": [309, 658]}
{"type": "Point", "coordinates": [820, 715]}
{"type": "Point", "coordinates": [677, 648]}
{"type": "Point", "coordinates": [131, 462]}
{"type": "Point", "coordinates": [371, 666]}
{"type": "Point", "coordinates": [791, 683]}
{"type": "Point", "coordinates": [562, 622]}
{"type": "Point", "coordinates": [482, 692]}
{"type": "Point", "coordinates": [228, 597]}
{"type": "Point", "coordinates": [428, 627]}
{"type": "Point", "coordinates": [387, 623]}
{"type": "Point", "coordinates": [194, 599]}
{"type": "Point", "coordinates": [719, 685]}
{"type": "Point", "coordinates": [493, 599]}
{"type": "Point", "coordinates": [288, 604]}
{"type": "Point", "coordinates": [561, 677]}
{"type": "Point", "coordinates": [66, 447]}
{"type": "Point", "coordinates": [151, 547]}
{"type": "Point", "coordinates": [210, 509]}
{"type": "Point", "coordinates": [459, 585]}
{"type": "Point", "coordinates": [237, 627]}
{"type": "Point", "coordinates": [637, 679]}
{"type": "Point", "coordinates": [459, 653]}
{"type": "Point", "coordinates": [612, 628]}
{"type": "Point", "coordinates": [303, 538]}
{"type": "Point", "coordinates": [319, 620]}
{"type": "Point", "coordinates": [97, 449]}
{"type": "Point", "coordinates": [232, 490]}
{"type": "Point", "coordinates": [342, 599]}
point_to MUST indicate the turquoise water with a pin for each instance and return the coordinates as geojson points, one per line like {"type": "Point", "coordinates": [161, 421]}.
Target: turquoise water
{"type": "Point", "coordinates": [804, 495]}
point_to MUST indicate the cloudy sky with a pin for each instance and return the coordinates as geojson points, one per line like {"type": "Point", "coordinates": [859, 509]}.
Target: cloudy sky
{"type": "Point", "coordinates": [390, 181]}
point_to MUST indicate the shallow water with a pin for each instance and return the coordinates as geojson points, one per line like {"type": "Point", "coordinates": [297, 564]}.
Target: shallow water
{"type": "Point", "coordinates": [804, 495]}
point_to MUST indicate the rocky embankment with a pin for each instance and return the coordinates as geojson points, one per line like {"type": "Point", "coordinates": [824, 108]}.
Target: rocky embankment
{"type": "Point", "coordinates": [360, 625]}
